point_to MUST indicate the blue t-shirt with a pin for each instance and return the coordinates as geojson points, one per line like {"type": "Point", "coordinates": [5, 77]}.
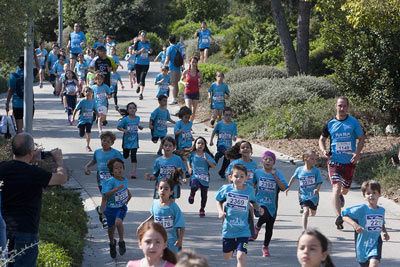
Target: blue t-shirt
{"type": "Point", "coordinates": [101, 158]}
{"type": "Point", "coordinates": [42, 57]}
{"type": "Point", "coordinates": [185, 137]}
{"type": "Point", "coordinates": [87, 108]}
{"type": "Point", "coordinates": [225, 133]}
{"type": "Point", "coordinates": [218, 95]}
{"type": "Point", "coordinates": [131, 61]}
{"type": "Point", "coordinates": [17, 102]}
{"type": "Point", "coordinates": [98, 44]}
{"type": "Point", "coordinates": [236, 223]}
{"type": "Point", "coordinates": [372, 221]}
{"type": "Point", "coordinates": [100, 94]}
{"type": "Point", "coordinates": [162, 56]}
{"type": "Point", "coordinates": [116, 59]}
{"type": "Point", "coordinates": [51, 59]}
{"type": "Point", "coordinates": [181, 47]}
{"type": "Point", "coordinates": [343, 136]}
{"type": "Point", "coordinates": [115, 77]}
{"type": "Point", "coordinates": [171, 52]}
{"type": "Point", "coordinates": [163, 88]}
{"type": "Point", "coordinates": [171, 218]}
{"type": "Point", "coordinates": [119, 198]}
{"type": "Point", "coordinates": [76, 40]}
{"type": "Point", "coordinates": [309, 181]}
{"type": "Point", "coordinates": [80, 71]}
{"type": "Point", "coordinates": [58, 69]}
{"type": "Point", "coordinates": [143, 58]}
{"type": "Point", "coordinates": [268, 189]}
{"type": "Point", "coordinates": [250, 166]}
{"type": "Point", "coordinates": [108, 47]}
{"type": "Point", "coordinates": [204, 39]}
{"type": "Point", "coordinates": [160, 118]}
{"type": "Point", "coordinates": [130, 140]}
{"type": "Point", "coordinates": [200, 168]}
{"type": "Point", "coordinates": [88, 59]}
{"type": "Point", "coordinates": [164, 167]}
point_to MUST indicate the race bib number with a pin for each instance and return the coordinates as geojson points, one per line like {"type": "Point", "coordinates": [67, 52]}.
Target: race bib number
{"type": "Point", "coordinates": [88, 114]}
{"type": "Point", "coordinates": [101, 96]}
{"type": "Point", "coordinates": [218, 98]}
{"type": "Point", "coordinates": [131, 61]}
{"type": "Point", "coordinates": [104, 176]}
{"type": "Point", "coordinates": [343, 147]}
{"type": "Point", "coordinates": [225, 136]}
{"type": "Point", "coordinates": [121, 197]}
{"type": "Point", "coordinates": [71, 88]}
{"type": "Point", "coordinates": [202, 177]}
{"type": "Point", "coordinates": [162, 124]}
{"type": "Point", "coordinates": [250, 173]}
{"type": "Point", "coordinates": [166, 171]}
{"type": "Point", "coordinates": [132, 128]}
{"type": "Point", "coordinates": [237, 202]}
{"type": "Point", "coordinates": [166, 221]}
{"type": "Point", "coordinates": [205, 40]}
{"type": "Point", "coordinates": [374, 222]}
{"type": "Point", "coordinates": [186, 135]}
{"type": "Point", "coordinates": [267, 185]}
{"type": "Point", "coordinates": [144, 55]}
{"type": "Point", "coordinates": [114, 81]}
{"type": "Point", "coordinates": [307, 181]}
{"type": "Point", "coordinates": [102, 109]}
{"type": "Point", "coordinates": [164, 87]}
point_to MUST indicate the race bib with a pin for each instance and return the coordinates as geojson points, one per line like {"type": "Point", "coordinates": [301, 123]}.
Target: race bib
{"type": "Point", "coordinates": [205, 40]}
{"type": "Point", "coordinates": [202, 177]}
{"type": "Point", "coordinates": [121, 197]}
{"type": "Point", "coordinates": [102, 109]}
{"type": "Point", "coordinates": [162, 124]}
{"type": "Point", "coordinates": [166, 221]}
{"type": "Point", "coordinates": [101, 96]}
{"type": "Point", "coordinates": [237, 202]}
{"type": "Point", "coordinates": [132, 128]}
{"type": "Point", "coordinates": [186, 135]}
{"type": "Point", "coordinates": [114, 81]}
{"type": "Point", "coordinates": [88, 114]}
{"type": "Point", "coordinates": [267, 185]}
{"type": "Point", "coordinates": [218, 98]}
{"type": "Point", "coordinates": [374, 222]}
{"type": "Point", "coordinates": [307, 181]}
{"type": "Point", "coordinates": [343, 147]}
{"type": "Point", "coordinates": [144, 55]}
{"type": "Point", "coordinates": [250, 174]}
{"type": "Point", "coordinates": [71, 88]}
{"type": "Point", "coordinates": [166, 171]}
{"type": "Point", "coordinates": [225, 136]}
{"type": "Point", "coordinates": [164, 87]}
{"type": "Point", "coordinates": [104, 176]}
{"type": "Point", "coordinates": [131, 61]}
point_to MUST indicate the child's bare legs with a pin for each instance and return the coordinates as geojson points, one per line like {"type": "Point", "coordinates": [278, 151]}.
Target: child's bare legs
{"type": "Point", "coordinates": [201, 56]}
{"type": "Point", "coordinates": [111, 231]}
{"type": "Point", "coordinates": [241, 259]}
{"type": "Point", "coordinates": [373, 263]}
{"type": "Point", "coordinates": [41, 77]}
{"type": "Point", "coordinates": [103, 207]}
{"type": "Point", "coordinates": [219, 114]}
{"type": "Point", "coordinates": [205, 55]}
{"type": "Point", "coordinates": [132, 78]}
{"type": "Point", "coordinates": [100, 120]}
{"type": "Point", "coordinates": [306, 213]}
{"type": "Point", "coordinates": [64, 99]}
{"type": "Point", "coordinates": [134, 166]}
{"type": "Point", "coordinates": [228, 255]}
{"type": "Point", "coordinates": [120, 229]}
{"type": "Point", "coordinates": [214, 114]}
{"type": "Point", "coordinates": [88, 139]}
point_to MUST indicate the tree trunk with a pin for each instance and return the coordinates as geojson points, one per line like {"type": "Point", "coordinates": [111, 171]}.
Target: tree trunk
{"type": "Point", "coordinates": [303, 32]}
{"type": "Point", "coordinates": [289, 54]}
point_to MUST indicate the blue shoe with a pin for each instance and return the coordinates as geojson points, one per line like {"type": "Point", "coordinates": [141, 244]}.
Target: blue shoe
{"type": "Point", "coordinates": [191, 199]}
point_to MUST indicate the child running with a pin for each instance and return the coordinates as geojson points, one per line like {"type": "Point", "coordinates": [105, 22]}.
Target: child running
{"type": "Point", "coordinates": [101, 94]}
{"type": "Point", "coordinates": [153, 242]}
{"type": "Point", "coordinates": [162, 55]}
{"type": "Point", "coordinates": [310, 184]}
{"type": "Point", "coordinates": [227, 132]}
{"type": "Point", "coordinates": [368, 221]}
{"type": "Point", "coordinates": [217, 94]}
{"type": "Point", "coordinates": [200, 161]}
{"type": "Point", "coordinates": [235, 230]}
{"type": "Point", "coordinates": [70, 87]}
{"type": "Point", "coordinates": [166, 165]}
{"type": "Point", "coordinates": [41, 54]}
{"type": "Point", "coordinates": [100, 157]}
{"type": "Point", "coordinates": [241, 153]}
{"type": "Point", "coordinates": [113, 54]}
{"type": "Point", "coordinates": [58, 70]}
{"type": "Point", "coordinates": [51, 60]}
{"type": "Point", "coordinates": [181, 47]}
{"type": "Point", "coordinates": [81, 69]}
{"type": "Point", "coordinates": [158, 121]}
{"type": "Point", "coordinates": [313, 250]}
{"type": "Point", "coordinates": [131, 58]}
{"type": "Point", "coordinates": [163, 81]}
{"type": "Point", "coordinates": [268, 182]}
{"type": "Point", "coordinates": [166, 212]}
{"type": "Point", "coordinates": [183, 129]}
{"type": "Point", "coordinates": [117, 194]}
{"type": "Point", "coordinates": [115, 78]}
{"type": "Point", "coordinates": [130, 140]}
{"type": "Point", "coordinates": [87, 107]}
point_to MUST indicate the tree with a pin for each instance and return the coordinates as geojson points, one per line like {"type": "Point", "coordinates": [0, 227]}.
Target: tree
{"type": "Point", "coordinates": [200, 10]}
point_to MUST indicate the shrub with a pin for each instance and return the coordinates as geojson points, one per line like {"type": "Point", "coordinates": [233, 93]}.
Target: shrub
{"type": "Point", "coordinates": [52, 255]}
{"type": "Point", "coordinates": [210, 70]}
{"type": "Point", "coordinates": [5, 149]}
{"type": "Point", "coordinates": [243, 74]}
{"type": "Point", "coordinates": [193, 50]}
{"type": "Point", "coordinates": [221, 59]}
{"type": "Point", "coordinates": [271, 57]}
{"type": "Point", "coordinates": [317, 65]}
{"type": "Point", "coordinates": [156, 42]}
{"type": "Point", "coordinates": [5, 72]}
{"type": "Point", "coordinates": [122, 49]}
{"type": "Point", "coordinates": [187, 29]}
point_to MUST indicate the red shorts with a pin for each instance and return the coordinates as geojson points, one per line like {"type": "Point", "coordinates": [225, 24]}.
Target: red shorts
{"type": "Point", "coordinates": [341, 173]}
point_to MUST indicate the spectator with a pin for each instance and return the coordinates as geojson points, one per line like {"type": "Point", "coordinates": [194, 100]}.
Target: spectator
{"type": "Point", "coordinates": [22, 197]}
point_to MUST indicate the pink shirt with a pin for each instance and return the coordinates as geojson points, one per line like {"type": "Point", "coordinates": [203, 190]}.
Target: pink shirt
{"type": "Point", "coordinates": [138, 263]}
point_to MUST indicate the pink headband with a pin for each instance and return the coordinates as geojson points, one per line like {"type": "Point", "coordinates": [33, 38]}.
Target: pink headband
{"type": "Point", "coordinates": [269, 154]}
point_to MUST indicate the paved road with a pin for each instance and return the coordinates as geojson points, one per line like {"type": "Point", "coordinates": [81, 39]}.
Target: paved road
{"type": "Point", "coordinates": [204, 235]}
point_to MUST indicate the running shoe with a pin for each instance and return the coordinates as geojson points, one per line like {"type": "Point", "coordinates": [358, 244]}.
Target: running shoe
{"type": "Point", "coordinates": [341, 200]}
{"type": "Point", "coordinates": [140, 97]}
{"type": "Point", "coordinates": [65, 110]}
{"type": "Point", "coordinates": [173, 102]}
{"type": "Point", "coordinates": [121, 247]}
{"type": "Point", "coordinates": [113, 249]}
{"type": "Point", "coordinates": [202, 214]}
{"type": "Point", "coordinates": [265, 251]}
{"type": "Point", "coordinates": [116, 107]}
{"type": "Point", "coordinates": [88, 149]}
{"type": "Point", "coordinates": [301, 210]}
{"type": "Point", "coordinates": [41, 85]}
{"type": "Point", "coordinates": [104, 223]}
{"type": "Point", "coordinates": [339, 222]}
{"type": "Point", "coordinates": [222, 175]}
{"type": "Point", "coordinates": [133, 175]}
{"type": "Point", "coordinates": [191, 199]}
{"type": "Point", "coordinates": [256, 231]}
{"type": "Point", "coordinates": [212, 122]}
{"type": "Point", "coordinates": [105, 123]}
{"type": "Point", "coordinates": [137, 90]}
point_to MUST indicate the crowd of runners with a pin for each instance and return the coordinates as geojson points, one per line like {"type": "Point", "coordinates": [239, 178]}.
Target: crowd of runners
{"type": "Point", "coordinates": [249, 198]}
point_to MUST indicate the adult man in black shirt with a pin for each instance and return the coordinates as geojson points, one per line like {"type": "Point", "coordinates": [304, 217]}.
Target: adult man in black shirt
{"type": "Point", "coordinates": [103, 64]}
{"type": "Point", "coordinates": [21, 197]}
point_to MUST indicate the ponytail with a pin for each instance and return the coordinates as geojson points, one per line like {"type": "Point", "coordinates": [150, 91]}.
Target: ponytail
{"type": "Point", "coordinates": [328, 262]}
{"type": "Point", "coordinates": [169, 255]}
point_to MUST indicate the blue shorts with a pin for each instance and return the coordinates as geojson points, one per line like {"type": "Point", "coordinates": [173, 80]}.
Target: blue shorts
{"type": "Point", "coordinates": [195, 96]}
{"type": "Point", "coordinates": [113, 213]}
{"type": "Point", "coordinates": [309, 204]}
{"type": "Point", "coordinates": [232, 244]}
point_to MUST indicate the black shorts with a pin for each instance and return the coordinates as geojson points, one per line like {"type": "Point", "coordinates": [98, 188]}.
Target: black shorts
{"type": "Point", "coordinates": [195, 96]}
{"type": "Point", "coordinates": [202, 49]}
{"type": "Point", "coordinates": [18, 113]}
{"type": "Point", "coordinates": [52, 78]}
{"type": "Point", "coordinates": [154, 139]}
{"type": "Point", "coordinates": [309, 204]}
{"type": "Point", "coordinates": [73, 55]}
{"type": "Point", "coordinates": [42, 67]}
{"type": "Point", "coordinates": [132, 152]}
{"type": "Point", "coordinates": [87, 127]}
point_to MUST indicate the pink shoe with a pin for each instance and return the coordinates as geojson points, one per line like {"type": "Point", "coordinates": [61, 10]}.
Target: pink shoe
{"type": "Point", "coordinates": [265, 251]}
{"type": "Point", "coordinates": [256, 231]}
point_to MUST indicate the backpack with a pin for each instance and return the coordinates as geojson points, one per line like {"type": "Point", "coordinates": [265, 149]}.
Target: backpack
{"type": "Point", "coordinates": [178, 61]}
{"type": "Point", "coordinates": [19, 84]}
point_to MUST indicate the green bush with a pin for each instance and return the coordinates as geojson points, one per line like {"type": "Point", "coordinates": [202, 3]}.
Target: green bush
{"type": "Point", "coordinates": [193, 50]}
{"type": "Point", "coordinates": [156, 42]}
{"type": "Point", "coordinates": [292, 120]}
{"type": "Point", "coordinates": [5, 149]}
{"type": "Point", "coordinates": [187, 29]}
{"type": "Point", "coordinates": [243, 74]}
{"type": "Point", "coordinates": [5, 72]}
{"type": "Point", "coordinates": [52, 255]}
{"type": "Point", "coordinates": [317, 65]}
{"type": "Point", "coordinates": [221, 59]}
{"type": "Point", "coordinates": [270, 57]}
{"type": "Point", "coordinates": [210, 70]}
{"type": "Point", "coordinates": [122, 49]}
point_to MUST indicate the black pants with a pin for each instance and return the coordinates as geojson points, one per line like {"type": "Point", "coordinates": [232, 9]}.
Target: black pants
{"type": "Point", "coordinates": [115, 95]}
{"type": "Point", "coordinates": [71, 103]}
{"type": "Point", "coordinates": [133, 151]}
{"type": "Point", "coordinates": [194, 186]}
{"type": "Point", "coordinates": [225, 163]}
{"type": "Point", "coordinates": [269, 225]}
{"type": "Point", "coordinates": [141, 72]}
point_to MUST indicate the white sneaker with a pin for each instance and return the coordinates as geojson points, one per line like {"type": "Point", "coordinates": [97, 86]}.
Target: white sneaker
{"type": "Point", "coordinates": [173, 102]}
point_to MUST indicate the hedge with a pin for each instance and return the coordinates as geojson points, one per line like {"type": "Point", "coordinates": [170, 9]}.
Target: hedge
{"type": "Point", "coordinates": [243, 74]}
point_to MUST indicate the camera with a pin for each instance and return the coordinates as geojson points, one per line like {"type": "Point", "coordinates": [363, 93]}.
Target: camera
{"type": "Point", "coordinates": [45, 154]}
